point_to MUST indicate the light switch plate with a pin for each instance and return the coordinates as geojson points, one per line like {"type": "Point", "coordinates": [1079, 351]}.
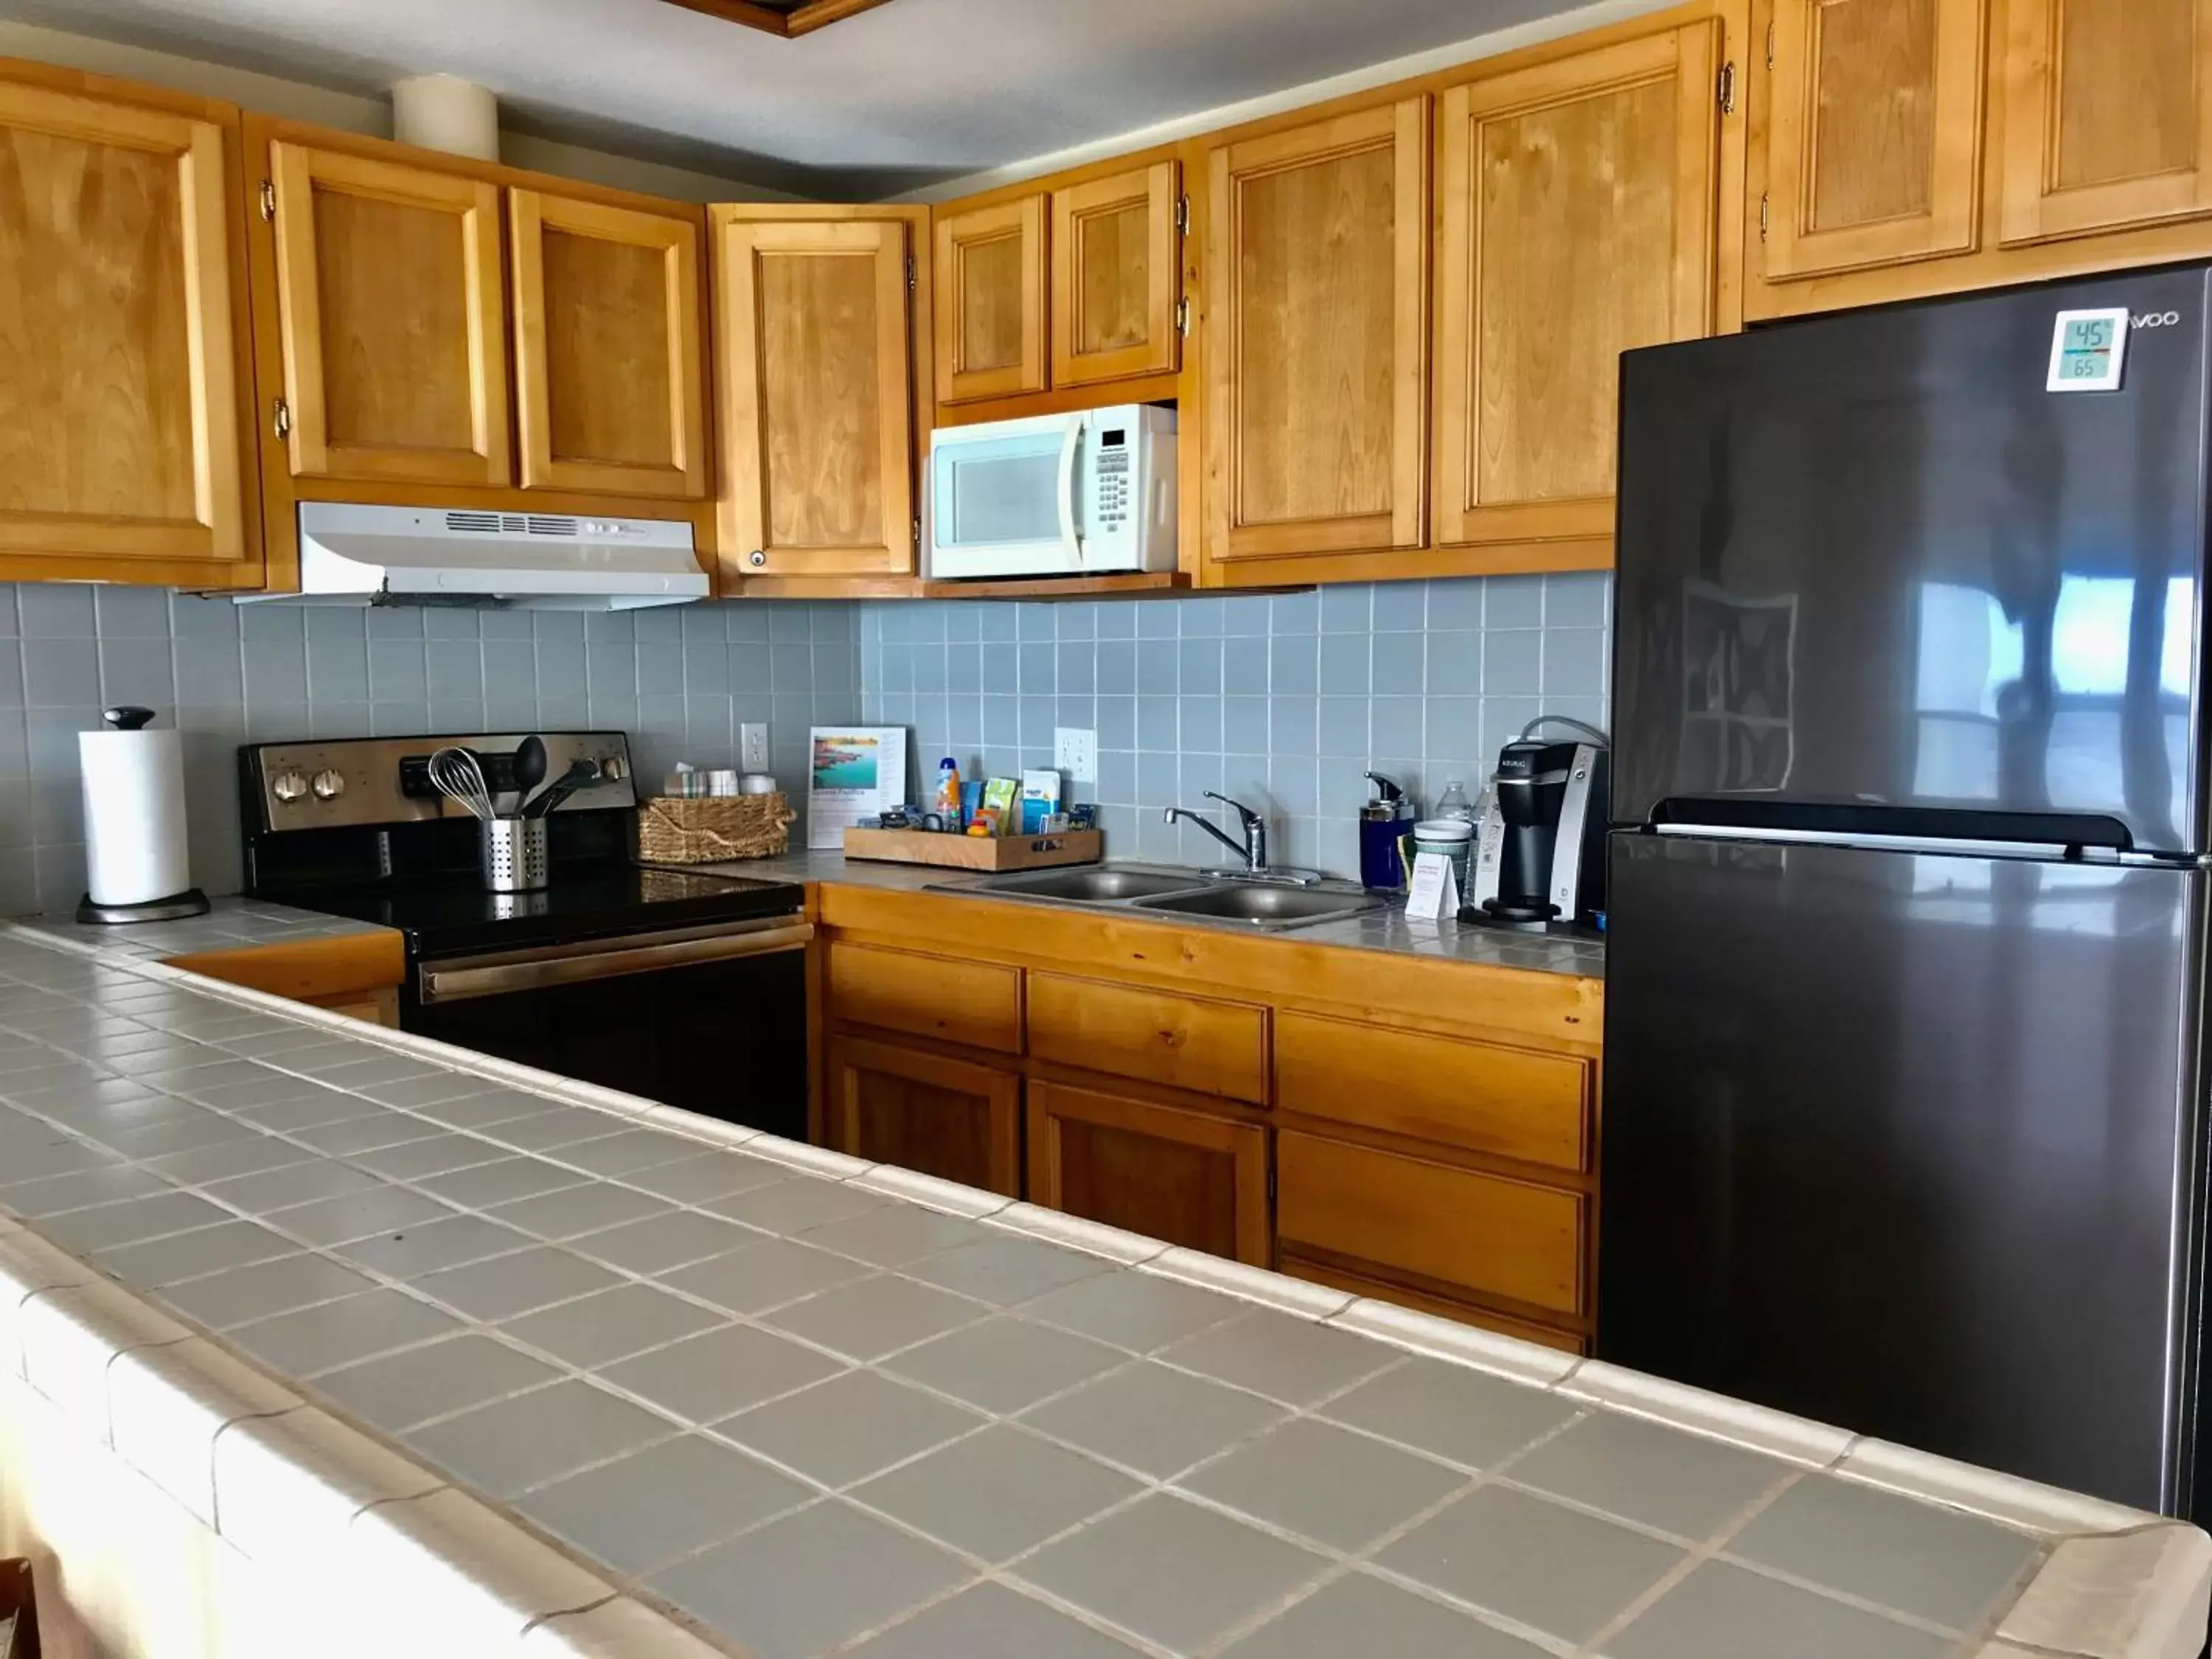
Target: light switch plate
{"type": "Point", "coordinates": [1075, 751]}
{"type": "Point", "coordinates": [752, 746]}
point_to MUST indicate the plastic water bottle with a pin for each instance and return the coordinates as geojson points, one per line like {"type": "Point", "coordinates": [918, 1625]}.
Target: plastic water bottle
{"type": "Point", "coordinates": [1454, 803]}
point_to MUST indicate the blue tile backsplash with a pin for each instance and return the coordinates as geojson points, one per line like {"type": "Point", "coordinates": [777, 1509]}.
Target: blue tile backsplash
{"type": "Point", "coordinates": [1281, 701]}
{"type": "Point", "coordinates": [677, 681]}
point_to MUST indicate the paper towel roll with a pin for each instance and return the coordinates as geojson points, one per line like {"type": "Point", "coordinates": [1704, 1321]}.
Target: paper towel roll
{"type": "Point", "coordinates": [134, 815]}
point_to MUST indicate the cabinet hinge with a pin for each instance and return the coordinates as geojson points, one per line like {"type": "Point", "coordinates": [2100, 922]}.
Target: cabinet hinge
{"type": "Point", "coordinates": [1727, 88]}
{"type": "Point", "coordinates": [1769, 45]}
{"type": "Point", "coordinates": [1182, 316]}
{"type": "Point", "coordinates": [1762, 216]}
{"type": "Point", "coordinates": [1183, 216]}
{"type": "Point", "coordinates": [917, 532]}
{"type": "Point", "coordinates": [1271, 1183]}
{"type": "Point", "coordinates": [912, 277]}
{"type": "Point", "coordinates": [269, 200]}
{"type": "Point", "coordinates": [281, 418]}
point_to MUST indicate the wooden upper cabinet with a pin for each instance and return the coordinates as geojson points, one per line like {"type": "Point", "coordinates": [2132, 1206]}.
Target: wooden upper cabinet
{"type": "Point", "coordinates": [815, 326]}
{"type": "Point", "coordinates": [1578, 202]}
{"type": "Point", "coordinates": [1116, 277]}
{"type": "Point", "coordinates": [122, 349]}
{"type": "Point", "coordinates": [1317, 324]}
{"type": "Point", "coordinates": [1873, 150]}
{"type": "Point", "coordinates": [991, 300]}
{"type": "Point", "coordinates": [393, 320]}
{"type": "Point", "coordinates": [610, 349]}
{"type": "Point", "coordinates": [2107, 115]}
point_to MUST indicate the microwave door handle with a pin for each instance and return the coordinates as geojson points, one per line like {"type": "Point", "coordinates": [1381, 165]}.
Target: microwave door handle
{"type": "Point", "coordinates": [1069, 444]}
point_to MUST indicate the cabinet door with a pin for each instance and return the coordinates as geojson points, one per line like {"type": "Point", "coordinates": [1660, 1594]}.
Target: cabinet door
{"type": "Point", "coordinates": [1578, 201]}
{"type": "Point", "coordinates": [393, 320]}
{"type": "Point", "coordinates": [950, 1118]}
{"type": "Point", "coordinates": [818, 429]}
{"type": "Point", "coordinates": [2107, 115]}
{"type": "Point", "coordinates": [610, 349]}
{"type": "Point", "coordinates": [1317, 325]}
{"type": "Point", "coordinates": [1116, 275]}
{"type": "Point", "coordinates": [1873, 139]}
{"type": "Point", "coordinates": [991, 300]}
{"type": "Point", "coordinates": [119, 418]}
{"type": "Point", "coordinates": [1188, 1177]}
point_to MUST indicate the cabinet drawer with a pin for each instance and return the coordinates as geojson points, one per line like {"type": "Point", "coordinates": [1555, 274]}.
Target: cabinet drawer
{"type": "Point", "coordinates": [975, 1003]}
{"type": "Point", "coordinates": [1495, 1236]}
{"type": "Point", "coordinates": [1510, 1102]}
{"type": "Point", "coordinates": [1444, 1307]}
{"type": "Point", "coordinates": [1186, 1042]}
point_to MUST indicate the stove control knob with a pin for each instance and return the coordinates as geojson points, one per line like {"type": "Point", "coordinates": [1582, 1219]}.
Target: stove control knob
{"type": "Point", "coordinates": [328, 785]}
{"type": "Point", "coordinates": [287, 786]}
{"type": "Point", "coordinates": [615, 766]}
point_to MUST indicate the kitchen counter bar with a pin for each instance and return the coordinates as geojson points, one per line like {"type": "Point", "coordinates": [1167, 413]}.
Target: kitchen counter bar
{"type": "Point", "coordinates": [450, 1357]}
{"type": "Point", "coordinates": [1387, 930]}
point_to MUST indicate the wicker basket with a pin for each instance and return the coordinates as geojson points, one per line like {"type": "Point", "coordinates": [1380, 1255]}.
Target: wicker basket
{"type": "Point", "coordinates": [711, 830]}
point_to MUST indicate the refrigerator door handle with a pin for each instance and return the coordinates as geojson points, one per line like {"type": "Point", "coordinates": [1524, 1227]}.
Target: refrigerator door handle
{"type": "Point", "coordinates": [1768, 819]}
{"type": "Point", "coordinates": [1927, 846]}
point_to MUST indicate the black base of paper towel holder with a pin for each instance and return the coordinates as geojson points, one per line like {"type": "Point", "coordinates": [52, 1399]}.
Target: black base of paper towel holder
{"type": "Point", "coordinates": [175, 908]}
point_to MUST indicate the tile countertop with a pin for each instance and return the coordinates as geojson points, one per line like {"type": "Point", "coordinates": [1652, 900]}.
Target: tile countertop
{"type": "Point", "coordinates": [624, 1382]}
{"type": "Point", "coordinates": [1380, 930]}
{"type": "Point", "coordinates": [232, 923]}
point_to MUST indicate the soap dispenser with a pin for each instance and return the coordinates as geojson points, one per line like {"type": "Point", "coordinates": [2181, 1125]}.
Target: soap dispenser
{"type": "Point", "coordinates": [1384, 823]}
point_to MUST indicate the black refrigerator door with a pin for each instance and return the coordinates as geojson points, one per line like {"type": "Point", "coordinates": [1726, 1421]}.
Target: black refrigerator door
{"type": "Point", "coordinates": [1871, 558]}
{"type": "Point", "coordinates": [1891, 1141]}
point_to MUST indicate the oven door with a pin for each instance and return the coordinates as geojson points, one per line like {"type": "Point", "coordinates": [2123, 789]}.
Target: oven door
{"type": "Point", "coordinates": [710, 1020]}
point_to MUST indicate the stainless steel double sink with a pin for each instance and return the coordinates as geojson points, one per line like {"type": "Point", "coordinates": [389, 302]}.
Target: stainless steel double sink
{"type": "Point", "coordinates": [1161, 892]}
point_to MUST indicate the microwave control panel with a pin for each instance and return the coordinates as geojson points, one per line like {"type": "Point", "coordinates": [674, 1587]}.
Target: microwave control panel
{"type": "Point", "coordinates": [1127, 494]}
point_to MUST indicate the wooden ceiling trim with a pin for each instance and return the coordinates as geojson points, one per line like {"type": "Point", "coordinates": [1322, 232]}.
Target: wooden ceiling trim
{"type": "Point", "coordinates": [780, 17]}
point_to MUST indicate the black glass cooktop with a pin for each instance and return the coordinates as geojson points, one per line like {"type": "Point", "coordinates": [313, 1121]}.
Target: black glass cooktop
{"type": "Point", "coordinates": [443, 916]}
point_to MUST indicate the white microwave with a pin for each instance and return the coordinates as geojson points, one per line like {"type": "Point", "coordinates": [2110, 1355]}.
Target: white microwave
{"type": "Point", "coordinates": [1053, 495]}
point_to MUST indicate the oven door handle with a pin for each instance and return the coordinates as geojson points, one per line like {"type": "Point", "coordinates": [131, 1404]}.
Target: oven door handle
{"type": "Point", "coordinates": [460, 982]}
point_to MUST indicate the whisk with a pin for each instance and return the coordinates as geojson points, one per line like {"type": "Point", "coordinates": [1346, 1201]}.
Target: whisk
{"type": "Point", "coordinates": [459, 775]}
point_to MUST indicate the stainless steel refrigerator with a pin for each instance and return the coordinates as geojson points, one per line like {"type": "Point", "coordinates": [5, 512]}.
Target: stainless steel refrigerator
{"type": "Point", "coordinates": [1905, 1084]}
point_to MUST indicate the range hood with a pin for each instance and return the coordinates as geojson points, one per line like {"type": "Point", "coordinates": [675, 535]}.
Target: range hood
{"type": "Point", "coordinates": [351, 555]}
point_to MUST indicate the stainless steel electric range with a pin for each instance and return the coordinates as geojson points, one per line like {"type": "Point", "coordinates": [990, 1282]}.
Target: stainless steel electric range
{"type": "Point", "coordinates": [684, 988]}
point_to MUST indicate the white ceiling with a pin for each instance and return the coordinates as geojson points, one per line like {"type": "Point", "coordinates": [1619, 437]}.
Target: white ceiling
{"type": "Point", "coordinates": [915, 91]}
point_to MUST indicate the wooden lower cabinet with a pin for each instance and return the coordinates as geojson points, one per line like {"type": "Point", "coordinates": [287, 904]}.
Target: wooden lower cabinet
{"type": "Point", "coordinates": [1428, 1224]}
{"type": "Point", "coordinates": [1190, 1178]}
{"type": "Point", "coordinates": [977, 1005]}
{"type": "Point", "coordinates": [1130, 1031]}
{"type": "Point", "coordinates": [1428, 1302]}
{"type": "Point", "coordinates": [950, 1118]}
{"type": "Point", "coordinates": [380, 1006]}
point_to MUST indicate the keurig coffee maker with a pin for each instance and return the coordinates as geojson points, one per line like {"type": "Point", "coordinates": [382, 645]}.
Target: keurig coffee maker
{"type": "Point", "coordinates": [1539, 850]}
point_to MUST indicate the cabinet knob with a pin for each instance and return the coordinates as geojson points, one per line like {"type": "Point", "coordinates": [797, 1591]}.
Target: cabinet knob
{"type": "Point", "coordinates": [756, 558]}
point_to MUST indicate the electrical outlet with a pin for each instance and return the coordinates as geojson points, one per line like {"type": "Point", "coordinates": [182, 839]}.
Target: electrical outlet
{"type": "Point", "coordinates": [1075, 751]}
{"type": "Point", "coordinates": [752, 746]}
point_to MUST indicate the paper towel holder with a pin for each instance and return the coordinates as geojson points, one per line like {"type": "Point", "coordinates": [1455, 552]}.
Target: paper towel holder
{"type": "Point", "coordinates": [175, 907]}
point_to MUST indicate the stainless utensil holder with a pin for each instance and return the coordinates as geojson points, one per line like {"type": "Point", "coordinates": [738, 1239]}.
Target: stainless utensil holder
{"type": "Point", "coordinates": [514, 855]}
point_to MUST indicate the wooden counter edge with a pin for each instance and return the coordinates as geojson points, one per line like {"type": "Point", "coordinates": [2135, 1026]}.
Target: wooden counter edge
{"type": "Point", "coordinates": [327, 966]}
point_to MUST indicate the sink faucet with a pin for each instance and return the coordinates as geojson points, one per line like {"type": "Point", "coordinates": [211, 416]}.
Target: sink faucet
{"type": "Point", "coordinates": [1253, 851]}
